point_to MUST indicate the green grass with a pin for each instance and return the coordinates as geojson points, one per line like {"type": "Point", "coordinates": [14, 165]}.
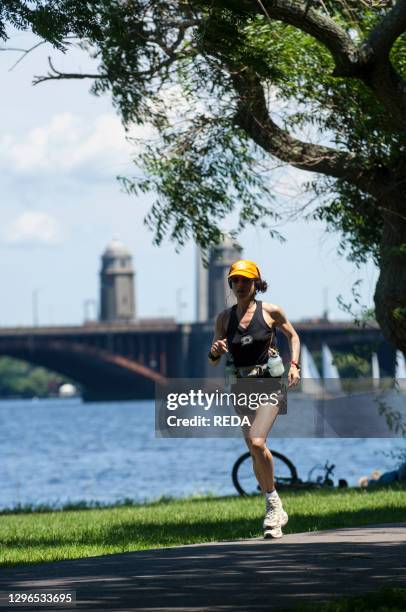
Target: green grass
{"type": "Point", "coordinates": [32, 537]}
{"type": "Point", "coordinates": [384, 600]}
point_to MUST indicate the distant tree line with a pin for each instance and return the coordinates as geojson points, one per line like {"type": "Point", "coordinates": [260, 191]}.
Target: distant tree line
{"type": "Point", "coordinates": [23, 380]}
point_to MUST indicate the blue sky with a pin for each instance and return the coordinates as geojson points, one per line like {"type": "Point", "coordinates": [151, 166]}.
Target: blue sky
{"type": "Point", "coordinates": [60, 151]}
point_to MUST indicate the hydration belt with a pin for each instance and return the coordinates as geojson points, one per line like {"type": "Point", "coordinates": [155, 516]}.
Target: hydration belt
{"type": "Point", "coordinates": [252, 371]}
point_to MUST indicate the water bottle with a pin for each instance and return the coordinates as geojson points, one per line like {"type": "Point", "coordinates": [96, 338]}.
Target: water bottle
{"type": "Point", "coordinates": [275, 364]}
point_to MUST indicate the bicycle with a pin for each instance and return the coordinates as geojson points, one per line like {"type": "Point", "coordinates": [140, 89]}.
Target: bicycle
{"type": "Point", "coordinates": [244, 478]}
{"type": "Point", "coordinates": [285, 475]}
{"type": "Point", "coordinates": [323, 481]}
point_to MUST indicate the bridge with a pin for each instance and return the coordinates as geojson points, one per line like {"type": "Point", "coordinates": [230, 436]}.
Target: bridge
{"type": "Point", "coordinates": [125, 360]}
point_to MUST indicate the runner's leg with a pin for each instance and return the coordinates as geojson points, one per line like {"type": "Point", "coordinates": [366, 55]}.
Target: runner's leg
{"type": "Point", "coordinates": [275, 516]}
{"type": "Point", "coordinates": [265, 417]}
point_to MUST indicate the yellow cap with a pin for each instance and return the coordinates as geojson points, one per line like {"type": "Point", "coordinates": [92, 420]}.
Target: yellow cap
{"type": "Point", "coordinates": [244, 267]}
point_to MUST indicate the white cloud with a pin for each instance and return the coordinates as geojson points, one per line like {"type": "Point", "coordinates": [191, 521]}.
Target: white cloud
{"type": "Point", "coordinates": [32, 228]}
{"type": "Point", "coordinates": [69, 145]}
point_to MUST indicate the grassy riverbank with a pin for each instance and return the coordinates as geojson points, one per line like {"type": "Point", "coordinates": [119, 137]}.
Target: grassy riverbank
{"type": "Point", "coordinates": [31, 537]}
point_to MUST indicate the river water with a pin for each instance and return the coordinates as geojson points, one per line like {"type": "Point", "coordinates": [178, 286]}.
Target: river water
{"type": "Point", "coordinates": [56, 451]}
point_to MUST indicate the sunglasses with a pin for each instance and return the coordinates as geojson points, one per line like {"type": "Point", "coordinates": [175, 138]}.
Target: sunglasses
{"type": "Point", "coordinates": [244, 279]}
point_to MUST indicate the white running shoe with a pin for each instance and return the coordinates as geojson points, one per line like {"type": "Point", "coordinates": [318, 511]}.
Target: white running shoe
{"type": "Point", "coordinates": [275, 514]}
{"type": "Point", "coordinates": [274, 533]}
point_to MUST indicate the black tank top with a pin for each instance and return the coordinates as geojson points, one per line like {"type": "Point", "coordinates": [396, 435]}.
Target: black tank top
{"type": "Point", "coordinates": [249, 346]}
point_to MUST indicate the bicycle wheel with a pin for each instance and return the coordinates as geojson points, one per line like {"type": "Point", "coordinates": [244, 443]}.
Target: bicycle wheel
{"type": "Point", "coordinates": [244, 478]}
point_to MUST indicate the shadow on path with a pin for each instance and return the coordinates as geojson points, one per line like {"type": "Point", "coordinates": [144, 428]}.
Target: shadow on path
{"type": "Point", "coordinates": [239, 575]}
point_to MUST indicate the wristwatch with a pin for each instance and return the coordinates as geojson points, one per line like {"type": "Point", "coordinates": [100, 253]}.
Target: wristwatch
{"type": "Point", "coordinates": [213, 357]}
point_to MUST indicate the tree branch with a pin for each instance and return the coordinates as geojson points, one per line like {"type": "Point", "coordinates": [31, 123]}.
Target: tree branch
{"type": "Point", "coordinates": [381, 76]}
{"type": "Point", "coordinates": [253, 117]}
{"type": "Point", "coordinates": [390, 89]}
{"type": "Point", "coordinates": [55, 75]}
{"type": "Point", "coordinates": [388, 30]}
{"type": "Point", "coordinates": [369, 62]}
{"type": "Point", "coordinates": [345, 53]}
{"type": "Point", "coordinates": [24, 52]}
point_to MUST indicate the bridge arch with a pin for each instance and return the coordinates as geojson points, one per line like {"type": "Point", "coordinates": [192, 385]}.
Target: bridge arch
{"type": "Point", "coordinates": [101, 373]}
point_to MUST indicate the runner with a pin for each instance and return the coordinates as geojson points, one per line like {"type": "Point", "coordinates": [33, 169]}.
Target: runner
{"type": "Point", "coordinates": [246, 333]}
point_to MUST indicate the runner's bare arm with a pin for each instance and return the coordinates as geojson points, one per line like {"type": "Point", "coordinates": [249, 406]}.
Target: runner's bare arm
{"type": "Point", "coordinates": [219, 343]}
{"type": "Point", "coordinates": [282, 322]}
{"type": "Point", "coordinates": [286, 327]}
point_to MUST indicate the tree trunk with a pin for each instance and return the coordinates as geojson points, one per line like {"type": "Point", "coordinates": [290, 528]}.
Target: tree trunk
{"type": "Point", "coordinates": [390, 292]}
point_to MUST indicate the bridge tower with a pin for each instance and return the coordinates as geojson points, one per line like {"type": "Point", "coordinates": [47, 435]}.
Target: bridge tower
{"type": "Point", "coordinates": [213, 292]}
{"type": "Point", "coordinates": [117, 300]}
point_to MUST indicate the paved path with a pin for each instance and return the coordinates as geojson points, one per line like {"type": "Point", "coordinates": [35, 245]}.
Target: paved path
{"type": "Point", "coordinates": [241, 575]}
